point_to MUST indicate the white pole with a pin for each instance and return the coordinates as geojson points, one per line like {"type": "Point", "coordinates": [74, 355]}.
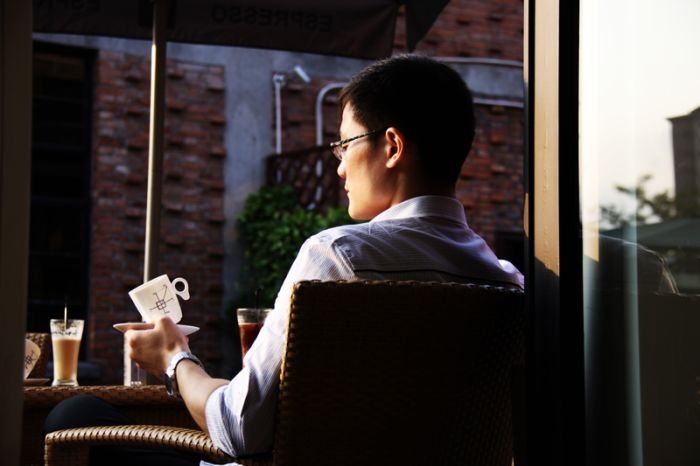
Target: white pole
{"type": "Point", "coordinates": [319, 108]}
{"type": "Point", "coordinates": [155, 140]}
{"type": "Point", "coordinates": [278, 80]}
{"type": "Point", "coordinates": [133, 375]}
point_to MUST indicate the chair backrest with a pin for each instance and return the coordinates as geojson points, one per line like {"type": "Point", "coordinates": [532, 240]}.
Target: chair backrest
{"type": "Point", "coordinates": [43, 341]}
{"type": "Point", "coordinates": [399, 373]}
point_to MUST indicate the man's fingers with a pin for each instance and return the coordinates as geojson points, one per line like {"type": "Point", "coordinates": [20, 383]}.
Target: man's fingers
{"type": "Point", "coordinates": [165, 322]}
{"type": "Point", "coordinates": [139, 326]}
{"type": "Point", "coordinates": [133, 332]}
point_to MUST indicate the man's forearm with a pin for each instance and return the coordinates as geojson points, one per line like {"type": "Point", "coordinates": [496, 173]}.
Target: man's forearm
{"type": "Point", "coordinates": [195, 386]}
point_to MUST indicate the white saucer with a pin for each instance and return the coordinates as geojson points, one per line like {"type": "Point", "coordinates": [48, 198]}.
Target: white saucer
{"type": "Point", "coordinates": [124, 326]}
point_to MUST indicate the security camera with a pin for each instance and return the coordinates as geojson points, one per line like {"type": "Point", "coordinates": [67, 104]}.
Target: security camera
{"type": "Point", "coordinates": [302, 74]}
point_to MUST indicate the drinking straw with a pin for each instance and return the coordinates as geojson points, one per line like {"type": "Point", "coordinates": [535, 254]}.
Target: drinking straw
{"type": "Point", "coordinates": [257, 297]}
{"type": "Point", "coordinates": [257, 301]}
{"type": "Point", "coordinates": [65, 315]}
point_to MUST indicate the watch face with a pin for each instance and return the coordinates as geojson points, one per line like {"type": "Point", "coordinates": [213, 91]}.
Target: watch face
{"type": "Point", "coordinates": [168, 384]}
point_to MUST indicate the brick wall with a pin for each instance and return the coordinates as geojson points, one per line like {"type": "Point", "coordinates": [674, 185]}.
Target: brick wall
{"type": "Point", "coordinates": [491, 186]}
{"type": "Point", "coordinates": [192, 213]}
{"type": "Point", "coordinates": [473, 28]}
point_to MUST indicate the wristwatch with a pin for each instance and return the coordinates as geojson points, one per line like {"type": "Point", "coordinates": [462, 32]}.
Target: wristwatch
{"type": "Point", "coordinates": [169, 377]}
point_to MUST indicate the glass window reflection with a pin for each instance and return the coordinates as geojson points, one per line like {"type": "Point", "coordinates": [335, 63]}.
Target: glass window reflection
{"type": "Point", "coordinates": [640, 209]}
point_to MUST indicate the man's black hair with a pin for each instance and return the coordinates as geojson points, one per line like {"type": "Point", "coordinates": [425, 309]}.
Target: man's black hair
{"type": "Point", "coordinates": [425, 99]}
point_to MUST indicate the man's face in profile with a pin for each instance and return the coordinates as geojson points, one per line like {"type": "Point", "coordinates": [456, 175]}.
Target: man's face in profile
{"type": "Point", "coordinates": [363, 169]}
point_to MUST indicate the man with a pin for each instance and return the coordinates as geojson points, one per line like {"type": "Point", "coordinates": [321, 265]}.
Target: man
{"type": "Point", "coordinates": [407, 126]}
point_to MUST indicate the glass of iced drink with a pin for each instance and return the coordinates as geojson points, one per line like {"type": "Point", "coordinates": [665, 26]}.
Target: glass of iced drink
{"type": "Point", "coordinates": [65, 338]}
{"type": "Point", "coordinates": [250, 321]}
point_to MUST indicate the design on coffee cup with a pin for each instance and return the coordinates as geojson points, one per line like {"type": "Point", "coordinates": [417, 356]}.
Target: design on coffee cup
{"type": "Point", "coordinates": [162, 301]}
{"type": "Point", "coordinates": [158, 297]}
{"type": "Point", "coordinates": [31, 356]}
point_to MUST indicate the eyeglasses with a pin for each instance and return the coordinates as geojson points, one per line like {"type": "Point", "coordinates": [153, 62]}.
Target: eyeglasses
{"type": "Point", "coordinates": [339, 148]}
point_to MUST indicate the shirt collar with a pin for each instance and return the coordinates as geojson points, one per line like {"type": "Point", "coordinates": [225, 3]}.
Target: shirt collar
{"type": "Point", "coordinates": [425, 206]}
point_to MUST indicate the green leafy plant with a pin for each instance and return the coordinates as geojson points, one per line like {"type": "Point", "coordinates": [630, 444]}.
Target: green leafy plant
{"type": "Point", "coordinates": [273, 226]}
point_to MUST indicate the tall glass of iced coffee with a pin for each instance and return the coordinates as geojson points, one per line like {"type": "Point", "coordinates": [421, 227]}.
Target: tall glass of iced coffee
{"type": "Point", "coordinates": [65, 338]}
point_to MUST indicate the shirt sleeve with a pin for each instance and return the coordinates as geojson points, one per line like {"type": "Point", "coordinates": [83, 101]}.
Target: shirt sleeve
{"type": "Point", "coordinates": [240, 416]}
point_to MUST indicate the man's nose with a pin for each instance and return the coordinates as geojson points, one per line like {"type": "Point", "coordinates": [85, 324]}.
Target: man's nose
{"type": "Point", "coordinates": [341, 169]}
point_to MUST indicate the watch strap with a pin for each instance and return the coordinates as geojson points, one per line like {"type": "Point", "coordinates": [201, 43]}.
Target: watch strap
{"type": "Point", "coordinates": [170, 372]}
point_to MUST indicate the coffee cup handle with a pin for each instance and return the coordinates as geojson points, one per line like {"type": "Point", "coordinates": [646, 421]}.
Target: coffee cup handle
{"type": "Point", "coordinates": [185, 293]}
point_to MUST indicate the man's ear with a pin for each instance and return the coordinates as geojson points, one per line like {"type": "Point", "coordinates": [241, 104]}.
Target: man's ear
{"type": "Point", "coordinates": [395, 146]}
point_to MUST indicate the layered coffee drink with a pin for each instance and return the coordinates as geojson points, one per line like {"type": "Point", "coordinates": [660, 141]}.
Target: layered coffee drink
{"type": "Point", "coordinates": [65, 360]}
{"type": "Point", "coordinates": [65, 339]}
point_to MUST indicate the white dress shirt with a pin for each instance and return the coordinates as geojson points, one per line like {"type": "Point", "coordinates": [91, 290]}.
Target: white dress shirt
{"type": "Point", "coordinates": [424, 238]}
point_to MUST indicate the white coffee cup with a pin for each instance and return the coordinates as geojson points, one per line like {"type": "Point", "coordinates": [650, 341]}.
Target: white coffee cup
{"type": "Point", "coordinates": [158, 297]}
{"type": "Point", "coordinates": [31, 356]}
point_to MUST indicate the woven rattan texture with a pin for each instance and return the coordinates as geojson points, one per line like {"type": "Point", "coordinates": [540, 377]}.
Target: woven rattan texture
{"type": "Point", "coordinates": [120, 395]}
{"type": "Point", "coordinates": [60, 445]}
{"type": "Point", "coordinates": [399, 373]}
{"type": "Point", "coordinates": [146, 404]}
{"type": "Point", "coordinates": [43, 341]}
{"type": "Point", "coordinates": [70, 447]}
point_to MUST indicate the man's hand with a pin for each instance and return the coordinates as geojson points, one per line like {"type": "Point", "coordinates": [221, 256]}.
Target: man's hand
{"type": "Point", "coordinates": [152, 348]}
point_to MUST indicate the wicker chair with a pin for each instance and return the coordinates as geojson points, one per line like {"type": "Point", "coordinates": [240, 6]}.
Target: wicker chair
{"type": "Point", "coordinates": [377, 373]}
{"type": "Point", "coordinates": [147, 404]}
{"type": "Point", "coordinates": [43, 341]}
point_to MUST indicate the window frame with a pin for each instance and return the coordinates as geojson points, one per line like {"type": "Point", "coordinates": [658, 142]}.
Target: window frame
{"type": "Point", "coordinates": [555, 405]}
